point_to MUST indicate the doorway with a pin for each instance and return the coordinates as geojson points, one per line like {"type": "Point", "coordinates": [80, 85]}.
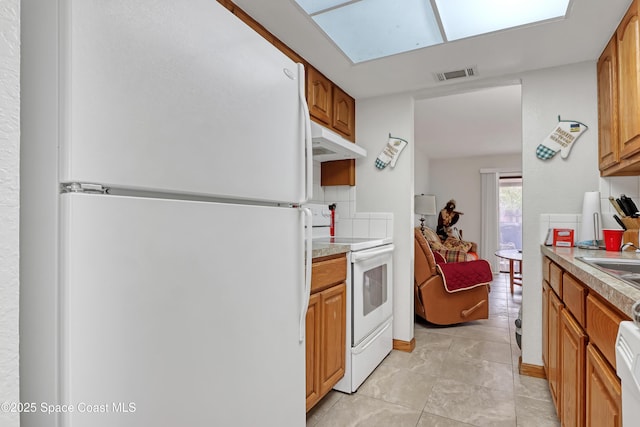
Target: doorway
{"type": "Point", "coordinates": [510, 215]}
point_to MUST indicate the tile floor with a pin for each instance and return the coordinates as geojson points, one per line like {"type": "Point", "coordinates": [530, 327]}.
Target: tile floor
{"type": "Point", "coordinates": [458, 376]}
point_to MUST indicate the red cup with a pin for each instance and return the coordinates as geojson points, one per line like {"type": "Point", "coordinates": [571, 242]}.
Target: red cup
{"type": "Point", "coordinates": [612, 239]}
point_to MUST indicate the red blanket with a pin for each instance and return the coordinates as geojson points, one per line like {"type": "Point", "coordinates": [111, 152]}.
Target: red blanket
{"type": "Point", "coordinates": [458, 276]}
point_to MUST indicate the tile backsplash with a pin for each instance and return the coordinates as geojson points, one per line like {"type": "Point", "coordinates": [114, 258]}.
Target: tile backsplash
{"type": "Point", "coordinates": [548, 221]}
{"type": "Point", "coordinates": [610, 186]}
{"type": "Point", "coordinates": [615, 186]}
{"type": "Point", "coordinates": [350, 222]}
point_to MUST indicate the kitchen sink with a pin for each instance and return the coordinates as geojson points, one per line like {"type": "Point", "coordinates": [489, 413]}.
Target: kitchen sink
{"type": "Point", "coordinates": [626, 269]}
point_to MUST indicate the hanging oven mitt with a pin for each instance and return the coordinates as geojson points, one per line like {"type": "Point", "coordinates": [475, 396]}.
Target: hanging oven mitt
{"type": "Point", "coordinates": [391, 152]}
{"type": "Point", "coordinates": [561, 139]}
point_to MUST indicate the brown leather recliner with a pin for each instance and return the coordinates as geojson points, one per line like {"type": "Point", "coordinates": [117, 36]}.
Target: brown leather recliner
{"type": "Point", "coordinates": [433, 302]}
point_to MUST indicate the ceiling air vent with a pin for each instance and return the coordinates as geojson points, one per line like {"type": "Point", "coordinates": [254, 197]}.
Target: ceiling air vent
{"type": "Point", "coordinates": [456, 74]}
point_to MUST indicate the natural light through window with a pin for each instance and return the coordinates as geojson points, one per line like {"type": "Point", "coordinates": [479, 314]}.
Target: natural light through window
{"type": "Point", "coordinates": [467, 18]}
{"type": "Point", "coordinates": [370, 29]}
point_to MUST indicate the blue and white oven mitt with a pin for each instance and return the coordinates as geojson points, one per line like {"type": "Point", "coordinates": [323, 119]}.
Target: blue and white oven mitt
{"type": "Point", "coordinates": [391, 152]}
{"type": "Point", "coordinates": [560, 139]}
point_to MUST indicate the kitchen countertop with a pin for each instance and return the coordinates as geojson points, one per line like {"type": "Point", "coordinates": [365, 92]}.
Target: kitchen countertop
{"type": "Point", "coordinates": [326, 249]}
{"type": "Point", "coordinates": [617, 292]}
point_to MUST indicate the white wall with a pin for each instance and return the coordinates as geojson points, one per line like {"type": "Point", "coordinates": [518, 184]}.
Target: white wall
{"type": "Point", "coordinates": [459, 179]}
{"type": "Point", "coordinates": [557, 185]}
{"type": "Point", "coordinates": [9, 204]}
{"type": "Point", "coordinates": [390, 190]}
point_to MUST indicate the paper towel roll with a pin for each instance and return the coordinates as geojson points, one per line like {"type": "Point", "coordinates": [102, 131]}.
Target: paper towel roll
{"type": "Point", "coordinates": [590, 206]}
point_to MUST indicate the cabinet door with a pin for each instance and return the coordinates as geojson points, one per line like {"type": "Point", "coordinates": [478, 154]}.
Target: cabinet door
{"type": "Point", "coordinates": [313, 350]}
{"type": "Point", "coordinates": [573, 342]}
{"type": "Point", "coordinates": [555, 306]}
{"type": "Point", "coordinates": [628, 35]}
{"type": "Point", "coordinates": [602, 327]}
{"type": "Point", "coordinates": [332, 336]}
{"type": "Point", "coordinates": [545, 326]}
{"type": "Point", "coordinates": [338, 172]}
{"type": "Point", "coordinates": [344, 114]}
{"type": "Point", "coordinates": [607, 106]}
{"type": "Point", "coordinates": [319, 96]}
{"type": "Point", "coordinates": [603, 392]}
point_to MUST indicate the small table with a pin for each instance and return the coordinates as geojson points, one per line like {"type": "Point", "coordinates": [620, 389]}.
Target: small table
{"type": "Point", "coordinates": [515, 278]}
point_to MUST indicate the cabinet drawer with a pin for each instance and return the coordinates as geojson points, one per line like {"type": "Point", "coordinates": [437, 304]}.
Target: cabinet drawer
{"type": "Point", "coordinates": [575, 295]}
{"type": "Point", "coordinates": [327, 272]}
{"type": "Point", "coordinates": [546, 262]}
{"type": "Point", "coordinates": [602, 327]}
{"type": "Point", "coordinates": [555, 278]}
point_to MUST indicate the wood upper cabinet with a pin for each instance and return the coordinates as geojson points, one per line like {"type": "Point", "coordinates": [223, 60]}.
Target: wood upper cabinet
{"type": "Point", "coordinates": [603, 392]}
{"type": "Point", "coordinates": [344, 114]}
{"type": "Point", "coordinates": [608, 106]}
{"type": "Point", "coordinates": [319, 96]}
{"type": "Point", "coordinates": [628, 43]}
{"type": "Point", "coordinates": [573, 341]}
{"type": "Point", "coordinates": [331, 106]}
{"type": "Point", "coordinates": [619, 99]}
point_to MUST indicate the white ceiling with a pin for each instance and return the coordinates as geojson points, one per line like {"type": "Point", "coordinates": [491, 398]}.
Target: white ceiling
{"type": "Point", "coordinates": [444, 106]}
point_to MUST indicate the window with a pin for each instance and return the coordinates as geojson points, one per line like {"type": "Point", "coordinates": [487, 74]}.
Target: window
{"type": "Point", "coordinates": [510, 220]}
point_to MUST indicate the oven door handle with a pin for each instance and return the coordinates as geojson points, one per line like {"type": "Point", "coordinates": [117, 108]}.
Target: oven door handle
{"type": "Point", "coordinates": [368, 254]}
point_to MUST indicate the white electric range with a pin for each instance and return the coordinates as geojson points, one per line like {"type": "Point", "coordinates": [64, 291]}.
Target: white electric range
{"type": "Point", "coordinates": [369, 299]}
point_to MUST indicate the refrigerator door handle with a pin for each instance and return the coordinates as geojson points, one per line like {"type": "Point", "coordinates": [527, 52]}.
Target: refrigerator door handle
{"type": "Point", "coordinates": [306, 121]}
{"type": "Point", "coordinates": [307, 236]}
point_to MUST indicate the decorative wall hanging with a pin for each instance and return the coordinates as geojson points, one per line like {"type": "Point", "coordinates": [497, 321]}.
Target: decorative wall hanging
{"type": "Point", "coordinates": [391, 152]}
{"type": "Point", "coordinates": [561, 139]}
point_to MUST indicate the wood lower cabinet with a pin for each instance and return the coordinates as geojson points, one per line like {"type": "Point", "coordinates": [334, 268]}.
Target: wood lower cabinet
{"type": "Point", "coordinates": [553, 374]}
{"type": "Point", "coordinates": [579, 333]}
{"type": "Point", "coordinates": [603, 394]}
{"type": "Point", "coordinates": [333, 303]}
{"type": "Point", "coordinates": [545, 325]}
{"type": "Point", "coordinates": [313, 350]}
{"type": "Point", "coordinates": [326, 327]}
{"type": "Point", "coordinates": [573, 341]}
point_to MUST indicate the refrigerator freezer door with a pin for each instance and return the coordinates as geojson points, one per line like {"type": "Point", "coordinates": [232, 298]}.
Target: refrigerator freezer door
{"type": "Point", "coordinates": [178, 96]}
{"type": "Point", "coordinates": [174, 314]}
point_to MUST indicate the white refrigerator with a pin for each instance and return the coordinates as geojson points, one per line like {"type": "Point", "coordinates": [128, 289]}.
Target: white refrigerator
{"type": "Point", "coordinates": [165, 154]}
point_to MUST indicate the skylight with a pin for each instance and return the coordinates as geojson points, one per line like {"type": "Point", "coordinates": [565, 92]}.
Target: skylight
{"type": "Point", "coordinates": [370, 29]}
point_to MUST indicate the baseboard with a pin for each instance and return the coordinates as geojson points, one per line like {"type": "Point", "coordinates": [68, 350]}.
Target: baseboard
{"type": "Point", "coordinates": [406, 346]}
{"type": "Point", "coordinates": [530, 370]}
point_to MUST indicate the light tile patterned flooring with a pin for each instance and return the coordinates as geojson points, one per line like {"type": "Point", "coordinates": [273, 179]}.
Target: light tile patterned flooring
{"type": "Point", "coordinates": [457, 376]}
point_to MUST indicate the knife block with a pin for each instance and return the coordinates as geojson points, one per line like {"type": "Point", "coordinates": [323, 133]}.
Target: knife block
{"type": "Point", "coordinates": [631, 236]}
{"type": "Point", "coordinates": [631, 223]}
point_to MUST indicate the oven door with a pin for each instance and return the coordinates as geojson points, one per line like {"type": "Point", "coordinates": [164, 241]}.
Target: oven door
{"type": "Point", "coordinates": [371, 280]}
